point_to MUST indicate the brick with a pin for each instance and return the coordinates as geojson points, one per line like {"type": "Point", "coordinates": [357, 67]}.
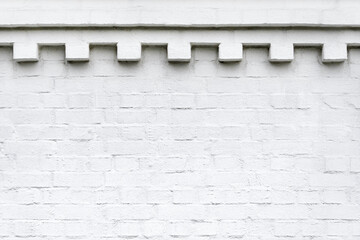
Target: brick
{"type": "Point", "coordinates": [285, 132]}
{"type": "Point", "coordinates": [185, 196]}
{"type": "Point", "coordinates": [287, 229]}
{"type": "Point", "coordinates": [78, 116]}
{"type": "Point", "coordinates": [286, 164]}
{"type": "Point", "coordinates": [26, 212]}
{"type": "Point", "coordinates": [281, 212]}
{"type": "Point", "coordinates": [227, 162]}
{"type": "Point", "coordinates": [40, 133]}
{"type": "Point", "coordinates": [259, 196]}
{"type": "Point", "coordinates": [332, 196]}
{"type": "Point", "coordinates": [181, 212]}
{"type": "Point", "coordinates": [87, 148]}
{"type": "Point", "coordinates": [74, 212]}
{"type": "Point", "coordinates": [313, 228]}
{"type": "Point", "coordinates": [156, 101]}
{"type": "Point", "coordinates": [21, 195]}
{"type": "Point", "coordinates": [232, 117]}
{"type": "Point", "coordinates": [182, 101]}
{"type": "Point", "coordinates": [132, 195]}
{"type": "Point", "coordinates": [333, 212]}
{"type": "Point", "coordinates": [128, 229]}
{"type": "Point", "coordinates": [101, 164]}
{"type": "Point", "coordinates": [54, 100]}
{"type": "Point", "coordinates": [130, 179]}
{"type": "Point", "coordinates": [78, 179]}
{"type": "Point", "coordinates": [180, 229]}
{"type": "Point", "coordinates": [338, 228]}
{"type": "Point", "coordinates": [126, 163]}
{"type": "Point", "coordinates": [130, 147]}
{"type": "Point", "coordinates": [52, 229]}
{"type": "Point", "coordinates": [283, 197]}
{"type": "Point", "coordinates": [27, 180]}
{"type": "Point", "coordinates": [66, 164]}
{"type": "Point", "coordinates": [206, 229]}
{"type": "Point", "coordinates": [80, 101]}
{"type": "Point", "coordinates": [153, 228]}
{"type": "Point", "coordinates": [336, 164]}
{"type": "Point", "coordinates": [80, 133]}
{"type": "Point", "coordinates": [106, 197]}
{"type": "Point", "coordinates": [26, 228]}
{"type": "Point", "coordinates": [76, 229]}
{"type": "Point", "coordinates": [228, 212]}
{"type": "Point", "coordinates": [308, 197]}
{"type": "Point", "coordinates": [29, 101]}
{"type": "Point", "coordinates": [29, 147]}
{"type": "Point", "coordinates": [289, 101]}
{"type": "Point", "coordinates": [225, 196]}
{"type": "Point", "coordinates": [232, 228]}
{"type": "Point", "coordinates": [130, 212]}
{"type": "Point", "coordinates": [159, 196]}
{"type": "Point", "coordinates": [329, 180]}
{"type": "Point", "coordinates": [31, 116]}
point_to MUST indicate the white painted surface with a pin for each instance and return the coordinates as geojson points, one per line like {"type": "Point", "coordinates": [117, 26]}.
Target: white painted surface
{"type": "Point", "coordinates": [185, 13]}
{"type": "Point", "coordinates": [25, 51]}
{"type": "Point", "coordinates": [334, 43]}
{"type": "Point", "coordinates": [111, 150]}
{"type": "Point", "coordinates": [179, 133]}
{"type": "Point", "coordinates": [77, 51]}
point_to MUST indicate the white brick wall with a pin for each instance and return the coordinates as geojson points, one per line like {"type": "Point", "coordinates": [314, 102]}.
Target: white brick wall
{"type": "Point", "coordinates": [157, 119]}
{"type": "Point", "coordinates": [201, 150]}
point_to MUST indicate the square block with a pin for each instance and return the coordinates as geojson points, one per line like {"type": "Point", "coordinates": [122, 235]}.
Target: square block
{"type": "Point", "coordinates": [129, 51]}
{"type": "Point", "coordinates": [77, 51]}
{"type": "Point", "coordinates": [179, 52]}
{"type": "Point", "coordinates": [334, 52]}
{"type": "Point", "coordinates": [230, 52]}
{"type": "Point", "coordinates": [25, 52]}
{"type": "Point", "coordinates": [281, 52]}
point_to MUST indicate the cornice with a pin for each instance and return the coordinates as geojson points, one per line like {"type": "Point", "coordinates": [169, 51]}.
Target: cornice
{"type": "Point", "coordinates": [184, 13]}
{"type": "Point", "coordinates": [229, 25]}
{"type": "Point", "coordinates": [230, 43]}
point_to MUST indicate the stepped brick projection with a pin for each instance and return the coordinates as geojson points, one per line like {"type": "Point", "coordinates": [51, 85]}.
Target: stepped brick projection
{"type": "Point", "coordinates": [195, 120]}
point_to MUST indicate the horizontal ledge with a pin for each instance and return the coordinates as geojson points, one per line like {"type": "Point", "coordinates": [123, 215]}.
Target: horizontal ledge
{"type": "Point", "coordinates": [230, 43]}
{"type": "Point", "coordinates": [180, 26]}
{"type": "Point", "coordinates": [186, 13]}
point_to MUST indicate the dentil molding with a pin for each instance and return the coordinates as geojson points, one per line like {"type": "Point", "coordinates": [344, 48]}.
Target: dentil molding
{"type": "Point", "coordinates": [230, 43]}
{"type": "Point", "coordinates": [229, 25]}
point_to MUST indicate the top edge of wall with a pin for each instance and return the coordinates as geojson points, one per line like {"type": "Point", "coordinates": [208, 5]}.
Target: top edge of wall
{"type": "Point", "coordinates": [176, 13]}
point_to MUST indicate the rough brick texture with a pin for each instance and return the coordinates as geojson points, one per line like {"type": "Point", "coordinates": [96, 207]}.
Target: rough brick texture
{"type": "Point", "coordinates": [161, 150]}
